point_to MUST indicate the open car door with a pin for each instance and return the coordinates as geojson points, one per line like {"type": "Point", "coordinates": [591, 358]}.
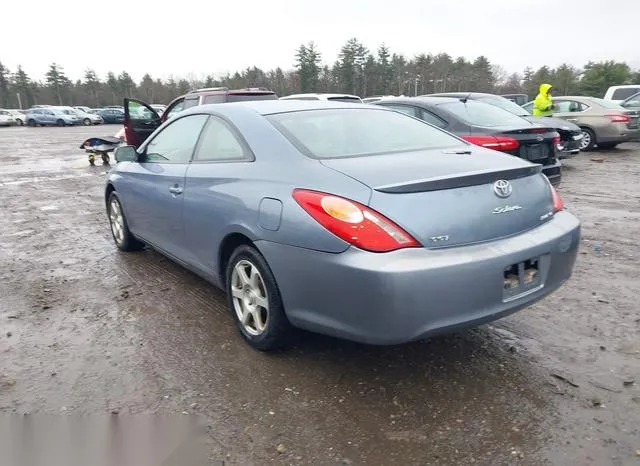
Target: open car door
{"type": "Point", "coordinates": [140, 120]}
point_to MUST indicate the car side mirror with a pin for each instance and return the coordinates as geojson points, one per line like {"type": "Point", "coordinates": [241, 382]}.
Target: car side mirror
{"type": "Point", "coordinates": [125, 154]}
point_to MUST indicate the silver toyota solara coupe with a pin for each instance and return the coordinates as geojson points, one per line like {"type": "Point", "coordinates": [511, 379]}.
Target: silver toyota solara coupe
{"type": "Point", "coordinates": [350, 220]}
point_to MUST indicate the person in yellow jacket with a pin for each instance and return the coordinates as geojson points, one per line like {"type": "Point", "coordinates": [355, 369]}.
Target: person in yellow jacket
{"type": "Point", "coordinates": [543, 104]}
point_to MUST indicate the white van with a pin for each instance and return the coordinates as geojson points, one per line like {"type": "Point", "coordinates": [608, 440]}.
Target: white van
{"type": "Point", "coordinates": [620, 93]}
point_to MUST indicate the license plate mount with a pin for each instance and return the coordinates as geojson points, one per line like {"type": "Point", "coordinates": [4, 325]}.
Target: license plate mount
{"type": "Point", "coordinates": [522, 278]}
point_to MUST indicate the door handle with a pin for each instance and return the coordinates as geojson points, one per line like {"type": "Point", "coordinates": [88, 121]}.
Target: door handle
{"type": "Point", "coordinates": [572, 119]}
{"type": "Point", "coordinates": [175, 190]}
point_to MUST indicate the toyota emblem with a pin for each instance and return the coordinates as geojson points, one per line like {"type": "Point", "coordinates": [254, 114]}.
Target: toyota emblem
{"type": "Point", "coordinates": [540, 138]}
{"type": "Point", "coordinates": [502, 188]}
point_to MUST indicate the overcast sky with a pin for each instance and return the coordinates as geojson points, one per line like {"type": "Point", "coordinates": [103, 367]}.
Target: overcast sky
{"type": "Point", "coordinates": [199, 37]}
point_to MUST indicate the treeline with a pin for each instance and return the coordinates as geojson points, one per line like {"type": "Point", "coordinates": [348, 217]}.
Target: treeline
{"type": "Point", "coordinates": [357, 70]}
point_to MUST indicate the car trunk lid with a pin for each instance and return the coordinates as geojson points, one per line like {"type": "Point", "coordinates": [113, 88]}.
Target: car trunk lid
{"type": "Point", "coordinates": [450, 198]}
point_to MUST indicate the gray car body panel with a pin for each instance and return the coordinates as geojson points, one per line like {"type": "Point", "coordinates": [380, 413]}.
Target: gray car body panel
{"type": "Point", "coordinates": [326, 284]}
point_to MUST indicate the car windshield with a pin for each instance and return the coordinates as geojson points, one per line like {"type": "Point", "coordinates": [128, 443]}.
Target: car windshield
{"type": "Point", "coordinates": [505, 104]}
{"type": "Point", "coordinates": [481, 114]}
{"type": "Point", "coordinates": [337, 133]}
{"type": "Point", "coordinates": [607, 103]}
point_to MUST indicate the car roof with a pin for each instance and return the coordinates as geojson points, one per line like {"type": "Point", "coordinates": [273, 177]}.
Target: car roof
{"type": "Point", "coordinates": [462, 94]}
{"type": "Point", "coordinates": [425, 100]}
{"type": "Point", "coordinates": [270, 107]}
{"type": "Point", "coordinates": [313, 94]}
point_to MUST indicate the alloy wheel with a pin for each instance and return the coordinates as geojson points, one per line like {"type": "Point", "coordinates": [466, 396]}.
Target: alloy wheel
{"type": "Point", "coordinates": [250, 299]}
{"type": "Point", "coordinates": [117, 221]}
{"type": "Point", "coordinates": [585, 141]}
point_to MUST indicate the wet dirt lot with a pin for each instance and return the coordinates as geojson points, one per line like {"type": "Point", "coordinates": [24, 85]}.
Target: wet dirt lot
{"type": "Point", "coordinates": [88, 330]}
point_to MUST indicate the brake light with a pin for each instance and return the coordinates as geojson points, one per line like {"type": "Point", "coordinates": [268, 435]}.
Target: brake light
{"type": "Point", "coordinates": [558, 205]}
{"type": "Point", "coordinates": [354, 223]}
{"type": "Point", "coordinates": [618, 118]}
{"type": "Point", "coordinates": [556, 139]}
{"type": "Point", "coordinates": [500, 143]}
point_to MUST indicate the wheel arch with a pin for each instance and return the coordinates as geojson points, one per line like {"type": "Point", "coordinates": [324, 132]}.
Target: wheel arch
{"type": "Point", "coordinates": [229, 244]}
{"type": "Point", "coordinates": [107, 192]}
{"type": "Point", "coordinates": [590, 128]}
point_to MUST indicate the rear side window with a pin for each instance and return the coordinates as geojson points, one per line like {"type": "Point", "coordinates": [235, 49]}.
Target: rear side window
{"type": "Point", "coordinates": [624, 93]}
{"type": "Point", "coordinates": [481, 114]}
{"type": "Point", "coordinates": [568, 106]}
{"type": "Point", "coordinates": [338, 133]}
{"type": "Point", "coordinates": [246, 97]}
{"type": "Point", "coordinates": [191, 102]}
{"type": "Point", "coordinates": [220, 143]}
{"type": "Point", "coordinates": [213, 99]}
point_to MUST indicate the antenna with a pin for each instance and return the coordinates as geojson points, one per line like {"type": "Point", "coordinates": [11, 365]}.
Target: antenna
{"type": "Point", "coordinates": [465, 98]}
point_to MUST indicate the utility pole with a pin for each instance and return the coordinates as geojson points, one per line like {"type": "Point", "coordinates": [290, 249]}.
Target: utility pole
{"type": "Point", "coordinates": [415, 85]}
{"type": "Point", "coordinates": [19, 100]}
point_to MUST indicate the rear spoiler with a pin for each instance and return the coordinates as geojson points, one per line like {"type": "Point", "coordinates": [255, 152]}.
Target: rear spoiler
{"type": "Point", "coordinates": [464, 180]}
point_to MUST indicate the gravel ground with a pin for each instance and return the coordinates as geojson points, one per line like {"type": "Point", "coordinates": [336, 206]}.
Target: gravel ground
{"type": "Point", "coordinates": [88, 330]}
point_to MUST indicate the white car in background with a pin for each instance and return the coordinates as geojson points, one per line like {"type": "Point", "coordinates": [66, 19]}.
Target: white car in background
{"type": "Point", "coordinates": [7, 118]}
{"type": "Point", "coordinates": [18, 115]}
{"type": "Point", "coordinates": [330, 97]}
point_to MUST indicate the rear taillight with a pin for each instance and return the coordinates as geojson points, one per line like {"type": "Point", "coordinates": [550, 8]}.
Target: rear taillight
{"type": "Point", "coordinates": [556, 139]}
{"type": "Point", "coordinates": [618, 118]}
{"type": "Point", "coordinates": [354, 223]}
{"type": "Point", "coordinates": [558, 205]}
{"type": "Point", "coordinates": [500, 143]}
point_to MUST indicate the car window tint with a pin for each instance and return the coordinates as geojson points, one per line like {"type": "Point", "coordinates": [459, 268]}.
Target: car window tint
{"type": "Point", "coordinates": [251, 96]}
{"type": "Point", "coordinates": [481, 114]}
{"type": "Point", "coordinates": [568, 106]}
{"type": "Point", "coordinates": [192, 102]}
{"type": "Point", "coordinates": [431, 118]}
{"type": "Point", "coordinates": [175, 143]}
{"type": "Point", "coordinates": [406, 109]}
{"type": "Point", "coordinates": [219, 143]}
{"type": "Point", "coordinates": [213, 99]}
{"type": "Point", "coordinates": [624, 93]}
{"type": "Point", "coordinates": [504, 104]}
{"type": "Point", "coordinates": [357, 132]}
{"type": "Point", "coordinates": [177, 108]}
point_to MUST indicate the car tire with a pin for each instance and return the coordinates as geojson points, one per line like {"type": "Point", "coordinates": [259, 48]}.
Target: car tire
{"type": "Point", "coordinates": [60, 123]}
{"type": "Point", "coordinates": [588, 140]}
{"type": "Point", "coordinates": [86, 122]}
{"type": "Point", "coordinates": [31, 123]}
{"type": "Point", "coordinates": [19, 122]}
{"type": "Point", "coordinates": [254, 300]}
{"type": "Point", "coordinates": [607, 145]}
{"type": "Point", "coordinates": [122, 236]}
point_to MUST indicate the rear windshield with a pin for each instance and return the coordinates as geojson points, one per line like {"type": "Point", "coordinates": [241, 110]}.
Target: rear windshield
{"type": "Point", "coordinates": [338, 133]}
{"type": "Point", "coordinates": [246, 97]}
{"type": "Point", "coordinates": [481, 114]}
{"type": "Point", "coordinates": [624, 93]}
{"type": "Point", "coordinates": [505, 104]}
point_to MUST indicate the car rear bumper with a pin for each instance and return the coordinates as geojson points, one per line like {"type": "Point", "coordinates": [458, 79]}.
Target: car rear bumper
{"type": "Point", "coordinates": [406, 295]}
{"type": "Point", "coordinates": [553, 173]}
